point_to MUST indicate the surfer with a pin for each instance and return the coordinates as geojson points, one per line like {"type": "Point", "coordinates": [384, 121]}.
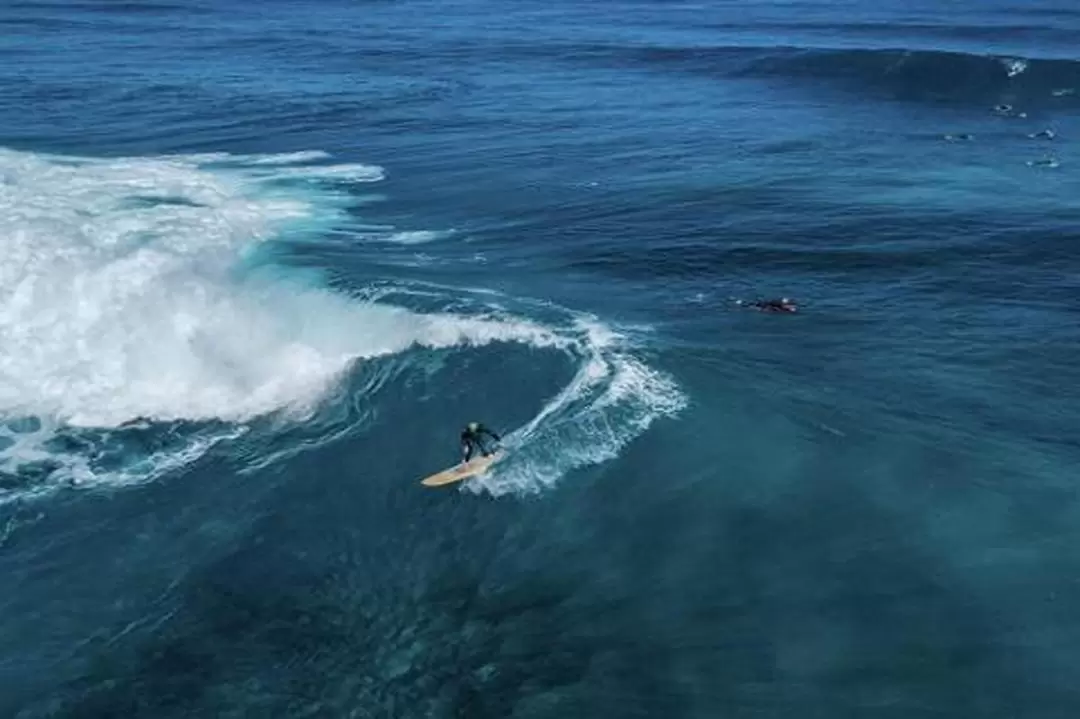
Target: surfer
{"type": "Point", "coordinates": [472, 439]}
{"type": "Point", "coordinates": [1007, 110]}
{"type": "Point", "coordinates": [783, 304]}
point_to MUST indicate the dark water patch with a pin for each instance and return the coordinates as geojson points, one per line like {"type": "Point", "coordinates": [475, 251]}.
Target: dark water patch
{"type": "Point", "coordinates": [162, 201]}
{"type": "Point", "coordinates": [119, 7]}
{"type": "Point", "coordinates": [400, 624]}
{"type": "Point", "coordinates": [45, 24]}
{"type": "Point", "coordinates": [23, 425]}
{"type": "Point", "coordinates": [1057, 13]}
{"type": "Point", "coordinates": [73, 454]}
{"type": "Point", "coordinates": [135, 93]}
{"type": "Point", "coordinates": [53, 92]}
{"type": "Point", "coordinates": [677, 589]}
{"type": "Point", "coordinates": [29, 475]}
{"type": "Point", "coordinates": [882, 247]}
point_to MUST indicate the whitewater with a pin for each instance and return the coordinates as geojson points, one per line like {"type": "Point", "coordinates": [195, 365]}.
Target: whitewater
{"type": "Point", "coordinates": [145, 290]}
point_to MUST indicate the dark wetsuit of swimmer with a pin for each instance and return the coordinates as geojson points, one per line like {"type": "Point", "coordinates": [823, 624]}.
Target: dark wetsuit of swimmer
{"type": "Point", "coordinates": [472, 439]}
{"type": "Point", "coordinates": [781, 305]}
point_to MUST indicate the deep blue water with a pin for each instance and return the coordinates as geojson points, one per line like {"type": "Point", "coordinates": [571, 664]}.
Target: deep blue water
{"type": "Point", "coordinates": [261, 261]}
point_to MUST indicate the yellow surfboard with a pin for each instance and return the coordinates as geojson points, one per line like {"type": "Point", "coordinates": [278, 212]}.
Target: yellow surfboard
{"type": "Point", "coordinates": [471, 468]}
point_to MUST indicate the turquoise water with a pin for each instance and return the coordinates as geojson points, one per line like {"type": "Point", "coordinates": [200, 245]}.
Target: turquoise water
{"type": "Point", "coordinates": [262, 262]}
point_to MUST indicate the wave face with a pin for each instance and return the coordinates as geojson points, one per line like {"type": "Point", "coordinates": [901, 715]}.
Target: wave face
{"type": "Point", "coordinates": [143, 290]}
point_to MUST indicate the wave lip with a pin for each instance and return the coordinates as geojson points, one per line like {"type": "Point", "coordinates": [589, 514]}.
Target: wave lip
{"type": "Point", "coordinates": [900, 72]}
{"type": "Point", "coordinates": [925, 72]}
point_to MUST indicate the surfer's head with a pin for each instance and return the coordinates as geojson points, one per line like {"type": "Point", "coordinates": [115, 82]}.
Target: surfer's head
{"type": "Point", "coordinates": [473, 426]}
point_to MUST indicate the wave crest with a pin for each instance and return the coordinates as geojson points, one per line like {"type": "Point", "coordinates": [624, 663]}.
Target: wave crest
{"type": "Point", "coordinates": [902, 73]}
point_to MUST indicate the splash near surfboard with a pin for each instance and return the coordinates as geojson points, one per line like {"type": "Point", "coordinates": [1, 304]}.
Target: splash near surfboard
{"type": "Point", "coordinates": [473, 467]}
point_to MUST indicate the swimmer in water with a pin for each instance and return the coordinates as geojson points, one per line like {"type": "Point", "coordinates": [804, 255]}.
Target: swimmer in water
{"type": "Point", "coordinates": [1007, 110]}
{"type": "Point", "coordinates": [1047, 134]}
{"type": "Point", "coordinates": [1047, 162]}
{"type": "Point", "coordinates": [784, 304]}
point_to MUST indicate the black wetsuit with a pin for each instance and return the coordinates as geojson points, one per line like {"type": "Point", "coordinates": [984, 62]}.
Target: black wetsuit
{"type": "Point", "coordinates": [781, 305]}
{"type": "Point", "coordinates": [775, 306]}
{"type": "Point", "coordinates": [473, 441]}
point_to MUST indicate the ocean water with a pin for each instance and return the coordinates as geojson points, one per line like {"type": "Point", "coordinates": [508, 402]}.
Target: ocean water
{"type": "Point", "coordinates": [261, 261]}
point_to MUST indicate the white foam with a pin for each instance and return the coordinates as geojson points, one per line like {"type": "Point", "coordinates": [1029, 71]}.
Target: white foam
{"type": "Point", "coordinates": [119, 297]}
{"type": "Point", "coordinates": [289, 157]}
{"type": "Point", "coordinates": [343, 173]}
{"type": "Point", "coordinates": [415, 237]}
{"type": "Point", "coordinates": [1014, 66]}
{"type": "Point", "coordinates": [123, 295]}
{"type": "Point", "coordinates": [613, 398]}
